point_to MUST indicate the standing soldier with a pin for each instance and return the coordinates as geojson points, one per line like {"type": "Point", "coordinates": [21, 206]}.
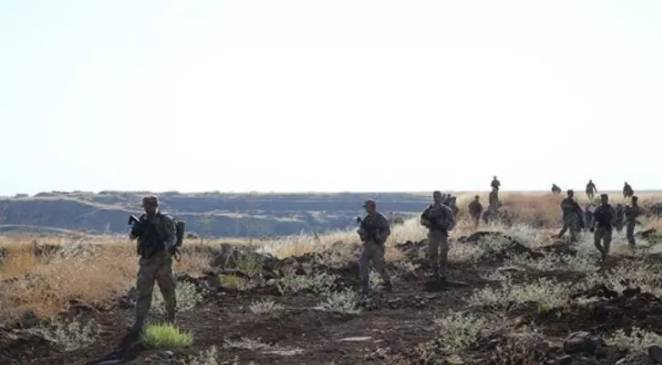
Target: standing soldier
{"type": "Point", "coordinates": [496, 184]}
{"type": "Point", "coordinates": [452, 203]}
{"type": "Point", "coordinates": [628, 192]}
{"type": "Point", "coordinates": [591, 190]}
{"type": "Point", "coordinates": [439, 219]}
{"type": "Point", "coordinates": [556, 189]}
{"type": "Point", "coordinates": [475, 210]}
{"type": "Point", "coordinates": [572, 216]}
{"type": "Point", "coordinates": [604, 216]}
{"type": "Point", "coordinates": [374, 230]}
{"type": "Point", "coordinates": [493, 206]}
{"type": "Point", "coordinates": [632, 212]}
{"type": "Point", "coordinates": [157, 237]}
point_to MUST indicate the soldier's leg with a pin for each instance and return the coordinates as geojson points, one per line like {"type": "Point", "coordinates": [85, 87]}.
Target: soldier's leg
{"type": "Point", "coordinates": [433, 251]}
{"type": "Point", "coordinates": [606, 242]}
{"type": "Point", "coordinates": [144, 289]}
{"type": "Point", "coordinates": [443, 255]}
{"type": "Point", "coordinates": [380, 265]}
{"type": "Point", "coordinates": [597, 238]}
{"type": "Point", "coordinates": [630, 234]}
{"type": "Point", "coordinates": [563, 230]}
{"type": "Point", "coordinates": [167, 284]}
{"type": "Point", "coordinates": [364, 267]}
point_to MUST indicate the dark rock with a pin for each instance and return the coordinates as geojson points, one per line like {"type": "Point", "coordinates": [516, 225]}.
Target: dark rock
{"type": "Point", "coordinates": [564, 360]}
{"type": "Point", "coordinates": [581, 342]}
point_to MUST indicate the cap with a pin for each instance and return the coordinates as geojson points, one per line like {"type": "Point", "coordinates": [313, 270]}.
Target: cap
{"type": "Point", "coordinates": [150, 200]}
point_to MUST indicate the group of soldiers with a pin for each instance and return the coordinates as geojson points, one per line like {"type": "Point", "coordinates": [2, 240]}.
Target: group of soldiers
{"type": "Point", "coordinates": [603, 220]}
{"type": "Point", "coordinates": [591, 190]}
{"type": "Point", "coordinates": [156, 234]}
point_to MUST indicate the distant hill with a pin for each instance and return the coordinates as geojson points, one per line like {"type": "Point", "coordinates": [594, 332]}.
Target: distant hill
{"type": "Point", "coordinates": [207, 214]}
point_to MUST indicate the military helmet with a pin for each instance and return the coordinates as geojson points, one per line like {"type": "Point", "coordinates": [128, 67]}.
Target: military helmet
{"type": "Point", "coordinates": [369, 203]}
{"type": "Point", "coordinates": [150, 200]}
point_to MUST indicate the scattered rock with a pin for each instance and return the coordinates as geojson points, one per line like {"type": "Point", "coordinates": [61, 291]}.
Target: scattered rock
{"type": "Point", "coordinates": [581, 342]}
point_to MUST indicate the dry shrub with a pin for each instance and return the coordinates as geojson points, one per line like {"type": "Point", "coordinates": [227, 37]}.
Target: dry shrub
{"type": "Point", "coordinates": [534, 209]}
{"type": "Point", "coordinates": [55, 280]}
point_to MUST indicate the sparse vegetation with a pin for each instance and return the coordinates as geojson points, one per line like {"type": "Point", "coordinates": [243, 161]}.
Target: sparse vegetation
{"type": "Point", "coordinates": [69, 336]}
{"type": "Point", "coordinates": [320, 283]}
{"type": "Point", "coordinates": [187, 295]}
{"type": "Point", "coordinates": [266, 306]}
{"type": "Point", "coordinates": [345, 302]}
{"type": "Point", "coordinates": [636, 340]}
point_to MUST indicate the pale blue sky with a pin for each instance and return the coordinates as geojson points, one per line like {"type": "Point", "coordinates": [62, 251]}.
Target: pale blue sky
{"type": "Point", "coordinates": [329, 95]}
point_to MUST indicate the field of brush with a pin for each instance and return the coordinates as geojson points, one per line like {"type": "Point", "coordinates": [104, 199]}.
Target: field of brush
{"type": "Point", "coordinates": [514, 296]}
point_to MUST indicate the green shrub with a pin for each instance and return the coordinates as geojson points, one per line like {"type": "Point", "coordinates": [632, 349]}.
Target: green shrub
{"type": "Point", "coordinates": [165, 336]}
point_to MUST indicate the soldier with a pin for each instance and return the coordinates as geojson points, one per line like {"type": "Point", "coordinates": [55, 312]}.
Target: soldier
{"type": "Point", "coordinates": [496, 183]}
{"type": "Point", "coordinates": [374, 231]}
{"type": "Point", "coordinates": [632, 212]}
{"type": "Point", "coordinates": [628, 192]}
{"type": "Point", "coordinates": [572, 216]}
{"type": "Point", "coordinates": [452, 203]}
{"type": "Point", "coordinates": [603, 221]}
{"type": "Point", "coordinates": [556, 189]}
{"type": "Point", "coordinates": [619, 221]}
{"type": "Point", "coordinates": [493, 206]}
{"type": "Point", "coordinates": [157, 236]}
{"type": "Point", "coordinates": [591, 190]}
{"type": "Point", "coordinates": [475, 210]}
{"type": "Point", "coordinates": [439, 219]}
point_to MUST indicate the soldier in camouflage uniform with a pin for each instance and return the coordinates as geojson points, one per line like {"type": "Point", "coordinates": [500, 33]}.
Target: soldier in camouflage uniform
{"type": "Point", "coordinates": [439, 219]}
{"type": "Point", "coordinates": [632, 212]}
{"type": "Point", "coordinates": [156, 235]}
{"type": "Point", "coordinates": [591, 189]}
{"type": "Point", "coordinates": [572, 216]}
{"type": "Point", "coordinates": [374, 231]}
{"type": "Point", "coordinates": [603, 226]}
{"type": "Point", "coordinates": [475, 210]}
{"type": "Point", "coordinates": [628, 192]}
{"type": "Point", "coordinates": [496, 184]}
{"type": "Point", "coordinates": [556, 189]}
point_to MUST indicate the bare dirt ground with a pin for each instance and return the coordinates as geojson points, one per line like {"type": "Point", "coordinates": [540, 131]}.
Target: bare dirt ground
{"type": "Point", "coordinates": [400, 327]}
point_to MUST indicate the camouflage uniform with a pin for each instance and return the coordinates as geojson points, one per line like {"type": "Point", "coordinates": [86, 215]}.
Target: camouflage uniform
{"type": "Point", "coordinates": [628, 192]}
{"type": "Point", "coordinates": [156, 239]}
{"type": "Point", "coordinates": [619, 220]}
{"type": "Point", "coordinates": [374, 231]}
{"type": "Point", "coordinates": [591, 190]}
{"type": "Point", "coordinates": [604, 217]}
{"type": "Point", "coordinates": [632, 212]}
{"type": "Point", "coordinates": [496, 184]}
{"type": "Point", "coordinates": [475, 210]}
{"type": "Point", "coordinates": [571, 218]}
{"type": "Point", "coordinates": [439, 219]}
